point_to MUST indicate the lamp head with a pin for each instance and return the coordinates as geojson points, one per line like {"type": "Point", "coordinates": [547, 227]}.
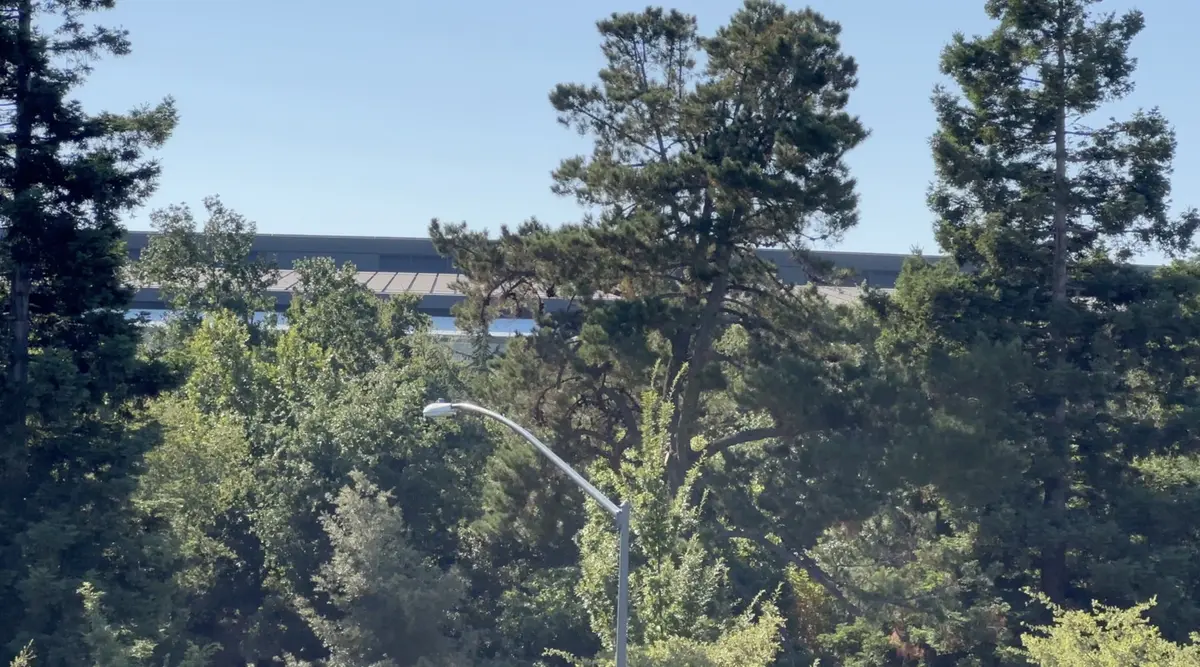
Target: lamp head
{"type": "Point", "coordinates": [439, 409]}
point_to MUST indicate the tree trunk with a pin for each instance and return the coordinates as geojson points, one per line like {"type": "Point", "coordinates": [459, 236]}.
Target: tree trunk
{"type": "Point", "coordinates": [680, 457]}
{"type": "Point", "coordinates": [19, 276]}
{"type": "Point", "coordinates": [1055, 486]}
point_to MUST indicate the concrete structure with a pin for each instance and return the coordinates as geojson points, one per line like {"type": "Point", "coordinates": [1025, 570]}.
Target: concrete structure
{"type": "Point", "coordinates": [407, 265]}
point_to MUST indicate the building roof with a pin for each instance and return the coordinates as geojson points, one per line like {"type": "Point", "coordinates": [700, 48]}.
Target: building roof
{"type": "Point", "coordinates": [436, 290]}
{"type": "Point", "coordinates": [395, 265]}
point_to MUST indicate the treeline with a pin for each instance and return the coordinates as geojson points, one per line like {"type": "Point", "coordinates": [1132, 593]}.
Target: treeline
{"type": "Point", "coordinates": [996, 463]}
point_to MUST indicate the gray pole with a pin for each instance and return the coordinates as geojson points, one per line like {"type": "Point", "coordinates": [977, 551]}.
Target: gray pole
{"type": "Point", "coordinates": [623, 586]}
{"type": "Point", "coordinates": [620, 514]}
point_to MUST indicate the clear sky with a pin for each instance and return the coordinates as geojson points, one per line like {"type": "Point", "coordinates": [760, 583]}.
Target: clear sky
{"type": "Point", "coordinates": [370, 117]}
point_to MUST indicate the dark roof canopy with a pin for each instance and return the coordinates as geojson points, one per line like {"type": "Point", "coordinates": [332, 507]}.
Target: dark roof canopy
{"type": "Point", "coordinates": [391, 265]}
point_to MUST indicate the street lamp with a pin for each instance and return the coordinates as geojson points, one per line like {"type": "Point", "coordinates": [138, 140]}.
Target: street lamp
{"type": "Point", "coordinates": [619, 513]}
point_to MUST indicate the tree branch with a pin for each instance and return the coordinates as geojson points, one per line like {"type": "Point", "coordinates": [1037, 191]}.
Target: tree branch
{"type": "Point", "coordinates": [613, 127]}
{"type": "Point", "coordinates": [801, 561]}
{"type": "Point", "coordinates": [741, 438]}
{"type": "Point", "coordinates": [625, 404]}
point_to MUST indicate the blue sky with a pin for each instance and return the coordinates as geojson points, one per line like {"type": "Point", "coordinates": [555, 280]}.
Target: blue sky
{"type": "Point", "coordinates": [370, 117]}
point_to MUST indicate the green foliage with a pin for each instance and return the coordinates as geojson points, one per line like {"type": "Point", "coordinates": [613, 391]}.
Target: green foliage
{"type": "Point", "coordinates": [750, 642]}
{"type": "Point", "coordinates": [109, 646]}
{"type": "Point", "coordinates": [678, 589]}
{"type": "Point", "coordinates": [69, 376]}
{"type": "Point", "coordinates": [1107, 637]}
{"type": "Point", "coordinates": [206, 269]}
{"type": "Point", "coordinates": [200, 474]}
{"type": "Point", "coordinates": [1040, 397]}
{"type": "Point", "coordinates": [692, 169]}
{"type": "Point", "coordinates": [954, 474]}
{"type": "Point", "coordinates": [924, 593]}
{"type": "Point", "coordinates": [682, 610]}
{"type": "Point", "coordinates": [332, 311]}
{"type": "Point", "coordinates": [396, 608]}
{"type": "Point", "coordinates": [261, 438]}
{"type": "Point", "coordinates": [521, 557]}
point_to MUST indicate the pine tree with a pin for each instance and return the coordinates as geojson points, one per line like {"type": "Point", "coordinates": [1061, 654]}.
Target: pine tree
{"type": "Point", "coordinates": [1042, 357]}
{"type": "Point", "coordinates": [69, 353]}
{"type": "Point", "coordinates": [693, 169]}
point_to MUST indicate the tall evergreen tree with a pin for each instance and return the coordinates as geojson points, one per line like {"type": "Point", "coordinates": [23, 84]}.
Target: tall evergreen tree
{"type": "Point", "coordinates": [1052, 364]}
{"type": "Point", "coordinates": [68, 357]}
{"type": "Point", "coordinates": [67, 178]}
{"type": "Point", "coordinates": [693, 169]}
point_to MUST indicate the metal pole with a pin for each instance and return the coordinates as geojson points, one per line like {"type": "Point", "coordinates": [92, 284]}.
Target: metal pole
{"type": "Point", "coordinates": [623, 586]}
{"type": "Point", "coordinates": [621, 514]}
{"type": "Point", "coordinates": [562, 465]}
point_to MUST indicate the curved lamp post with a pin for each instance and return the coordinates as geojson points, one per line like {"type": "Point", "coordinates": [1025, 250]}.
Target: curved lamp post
{"type": "Point", "coordinates": [619, 513]}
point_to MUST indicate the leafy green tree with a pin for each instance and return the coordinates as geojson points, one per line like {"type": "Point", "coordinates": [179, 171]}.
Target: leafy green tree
{"type": "Point", "coordinates": [263, 436]}
{"type": "Point", "coordinates": [199, 480]}
{"type": "Point", "coordinates": [682, 607]}
{"type": "Point", "coordinates": [209, 268]}
{"type": "Point", "coordinates": [1107, 636]}
{"type": "Point", "coordinates": [68, 371]}
{"type": "Point", "coordinates": [751, 642]}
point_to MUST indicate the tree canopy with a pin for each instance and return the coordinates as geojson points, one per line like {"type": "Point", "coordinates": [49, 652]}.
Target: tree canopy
{"type": "Point", "coordinates": [992, 464]}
